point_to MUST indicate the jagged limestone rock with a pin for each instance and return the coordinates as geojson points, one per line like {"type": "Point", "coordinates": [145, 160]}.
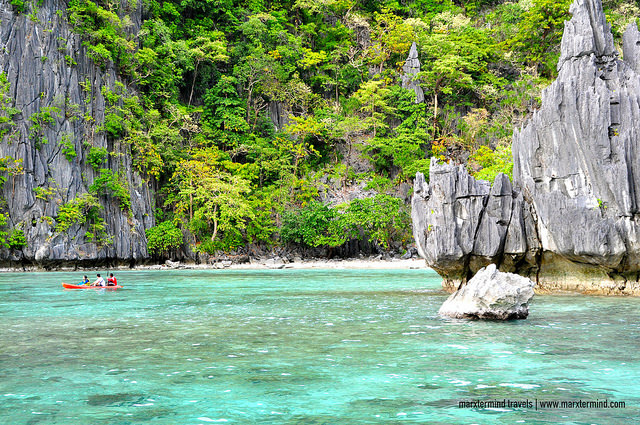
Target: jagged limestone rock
{"type": "Point", "coordinates": [575, 219]}
{"type": "Point", "coordinates": [586, 33]}
{"type": "Point", "coordinates": [51, 76]}
{"type": "Point", "coordinates": [461, 224]}
{"type": "Point", "coordinates": [630, 51]}
{"type": "Point", "coordinates": [490, 294]}
{"type": "Point", "coordinates": [411, 68]}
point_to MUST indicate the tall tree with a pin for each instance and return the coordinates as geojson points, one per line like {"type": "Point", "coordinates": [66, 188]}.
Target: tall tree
{"type": "Point", "coordinates": [373, 99]}
{"type": "Point", "coordinates": [210, 48]}
{"type": "Point", "coordinates": [214, 198]}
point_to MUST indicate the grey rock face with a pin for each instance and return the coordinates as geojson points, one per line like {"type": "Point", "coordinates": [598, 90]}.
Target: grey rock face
{"type": "Point", "coordinates": [574, 208]}
{"type": "Point", "coordinates": [490, 294]}
{"type": "Point", "coordinates": [630, 51]}
{"type": "Point", "coordinates": [50, 75]}
{"type": "Point", "coordinates": [461, 224]}
{"type": "Point", "coordinates": [587, 33]}
{"type": "Point", "coordinates": [279, 114]}
{"type": "Point", "coordinates": [411, 68]}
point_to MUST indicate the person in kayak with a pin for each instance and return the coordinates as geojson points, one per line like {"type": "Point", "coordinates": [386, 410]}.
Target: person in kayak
{"type": "Point", "coordinates": [99, 281]}
{"type": "Point", "coordinates": [85, 280]}
{"type": "Point", "coordinates": [112, 281]}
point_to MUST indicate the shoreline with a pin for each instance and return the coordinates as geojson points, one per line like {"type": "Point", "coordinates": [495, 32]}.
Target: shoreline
{"type": "Point", "coordinates": [348, 264]}
{"type": "Point", "coordinates": [254, 264]}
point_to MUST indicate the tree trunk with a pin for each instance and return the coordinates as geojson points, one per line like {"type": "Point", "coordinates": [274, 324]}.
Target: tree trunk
{"type": "Point", "coordinates": [215, 230]}
{"type": "Point", "coordinates": [215, 225]}
{"type": "Point", "coordinates": [193, 83]}
{"type": "Point", "coordinates": [436, 89]}
{"type": "Point", "coordinates": [191, 199]}
{"type": "Point", "coordinates": [249, 94]}
{"type": "Point", "coordinates": [336, 80]}
{"type": "Point", "coordinates": [346, 172]}
{"type": "Point", "coordinates": [435, 113]}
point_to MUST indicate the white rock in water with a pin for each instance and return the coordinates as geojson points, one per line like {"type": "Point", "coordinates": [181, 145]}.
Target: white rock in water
{"type": "Point", "coordinates": [490, 294]}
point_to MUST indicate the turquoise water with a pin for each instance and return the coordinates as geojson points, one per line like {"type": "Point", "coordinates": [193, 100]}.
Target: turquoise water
{"type": "Point", "coordinates": [302, 347]}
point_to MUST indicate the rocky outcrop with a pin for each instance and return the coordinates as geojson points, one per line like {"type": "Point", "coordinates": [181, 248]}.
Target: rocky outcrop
{"type": "Point", "coordinates": [571, 221]}
{"type": "Point", "coordinates": [57, 91]}
{"type": "Point", "coordinates": [462, 224]}
{"type": "Point", "coordinates": [490, 294]}
{"type": "Point", "coordinates": [411, 68]}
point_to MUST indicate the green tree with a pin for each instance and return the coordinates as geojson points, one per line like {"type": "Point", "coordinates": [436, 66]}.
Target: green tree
{"type": "Point", "coordinates": [17, 239]}
{"type": "Point", "coordinates": [373, 100]}
{"type": "Point", "coordinates": [539, 34]}
{"type": "Point", "coordinates": [3, 233]}
{"type": "Point", "coordinates": [383, 219]}
{"type": "Point", "coordinates": [391, 37]}
{"type": "Point", "coordinates": [104, 33]}
{"type": "Point", "coordinates": [407, 147]}
{"type": "Point", "coordinates": [213, 197]}
{"type": "Point", "coordinates": [112, 184]}
{"type": "Point", "coordinates": [211, 48]}
{"type": "Point", "coordinates": [224, 110]}
{"type": "Point", "coordinates": [255, 73]}
{"type": "Point", "coordinates": [163, 238]}
{"type": "Point", "coordinates": [493, 162]}
{"type": "Point", "coordinates": [84, 210]}
{"type": "Point", "coordinates": [313, 225]}
{"type": "Point", "coordinates": [455, 58]}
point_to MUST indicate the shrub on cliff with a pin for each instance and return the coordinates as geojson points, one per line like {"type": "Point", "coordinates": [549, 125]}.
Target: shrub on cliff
{"type": "Point", "coordinates": [17, 239]}
{"type": "Point", "coordinates": [493, 162]}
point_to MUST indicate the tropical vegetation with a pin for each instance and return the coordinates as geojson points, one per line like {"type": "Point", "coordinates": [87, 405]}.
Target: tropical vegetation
{"type": "Point", "coordinates": [285, 122]}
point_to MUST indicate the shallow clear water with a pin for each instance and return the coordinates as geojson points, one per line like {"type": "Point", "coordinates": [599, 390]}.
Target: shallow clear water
{"type": "Point", "coordinates": [302, 347]}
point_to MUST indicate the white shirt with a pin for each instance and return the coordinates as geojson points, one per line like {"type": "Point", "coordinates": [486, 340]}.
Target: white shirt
{"type": "Point", "coordinates": [99, 282]}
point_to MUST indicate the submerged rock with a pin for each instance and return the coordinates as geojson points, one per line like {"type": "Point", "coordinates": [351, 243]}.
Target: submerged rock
{"type": "Point", "coordinates": [571, 219]}
{"type": "Point", "coordinates": [490, 294]}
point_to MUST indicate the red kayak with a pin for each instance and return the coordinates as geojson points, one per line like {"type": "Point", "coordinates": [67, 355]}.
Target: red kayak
{"type": "Point", "coordinates": [70, 286]}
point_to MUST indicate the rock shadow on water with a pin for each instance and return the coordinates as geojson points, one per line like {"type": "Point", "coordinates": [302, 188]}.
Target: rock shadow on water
{"type": "Point", "coordinates": [111, 409]}
{"type": "Point", "coordinates": [116, 400]}
{"type": "Point", "coordinates": [312, 420]}
{"type": "Point", "coordinates": [429, 386]}
{"type": "Point", "coordinates": [388, 404]}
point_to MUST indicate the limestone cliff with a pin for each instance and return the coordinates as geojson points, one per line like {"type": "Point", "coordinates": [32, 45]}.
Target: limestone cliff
{"type": "Point", "coordinates": [571, 221]}
{"type": "Point", "coordinates": [55, 97]}
{"type": "Point", "coordinates": [410, 69]}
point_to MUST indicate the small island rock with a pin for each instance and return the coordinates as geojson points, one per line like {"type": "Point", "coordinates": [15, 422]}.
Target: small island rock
{"type": "Point", "coordinates": [490, 294]}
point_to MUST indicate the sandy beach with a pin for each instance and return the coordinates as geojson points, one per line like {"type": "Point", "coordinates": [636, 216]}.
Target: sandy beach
{"type": "Point", "coordinates": [254, 264]}
{"type": "Point", "coordinates": [338, 264]}
{"type": "Point", "coordinates": [270, 264]}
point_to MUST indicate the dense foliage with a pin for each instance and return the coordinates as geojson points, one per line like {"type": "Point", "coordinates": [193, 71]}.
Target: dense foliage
{"type": "Point", "coordinates": [380, 219]}
{"type": "Point", "coordinates": [84, 209]}
{"type": "Point", "coordinates": [246, 112]}
{"type": "Point", "coordinates": [163, 238]}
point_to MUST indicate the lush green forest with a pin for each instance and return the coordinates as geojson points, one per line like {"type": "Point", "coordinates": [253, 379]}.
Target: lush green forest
{"type": "Point", "coordinates": [251, 118]}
